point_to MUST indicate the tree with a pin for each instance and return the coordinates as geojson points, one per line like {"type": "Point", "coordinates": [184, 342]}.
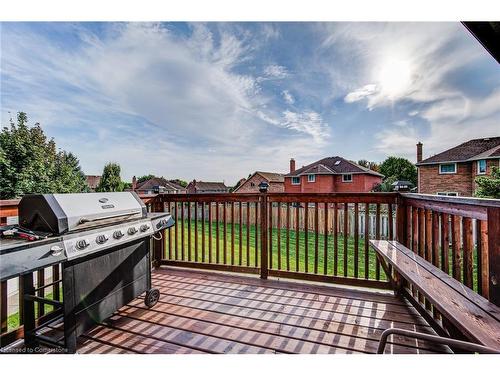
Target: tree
{"type": "Point", "coordinates": [372, 165]}
{"type": "Point", "coordinates": [180, 182]}
{"type": "Point", "coordinates": [386, 185]}
{"type": "Point", "coordinates": [489, 186]}
{"type": "Point", "coordinates": [29, 163]}
{"type": "Point", "coordinates": [400, 169]}
{"type": "Point", "coordinates": [145, 178]}
{"type": "Point", "coordinates": [111, 180]}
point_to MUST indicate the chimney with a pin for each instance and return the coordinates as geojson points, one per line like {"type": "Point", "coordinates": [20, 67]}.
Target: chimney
{"type": "Point", "coordinates": [292, 165]}
{"type": "Point", "coordinates": [419, 151]}
{"type": "Point", "coordinates": [134, 183]}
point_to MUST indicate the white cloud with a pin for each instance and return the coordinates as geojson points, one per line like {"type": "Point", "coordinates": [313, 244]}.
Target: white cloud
{"type": "Point", "coordinates": [288, 97]}
{"type": "Point", "coordinates": [361, 93]}
{"type": "Point", "coordinates": [275, 71]}
{"type": "Point", "coordinates": [308, 122]}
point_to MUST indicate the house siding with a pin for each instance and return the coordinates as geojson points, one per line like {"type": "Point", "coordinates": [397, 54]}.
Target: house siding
{"type": "Point", "coordinates": [274, 187]}
{"type": "Point", "coordinates": [333, 183]}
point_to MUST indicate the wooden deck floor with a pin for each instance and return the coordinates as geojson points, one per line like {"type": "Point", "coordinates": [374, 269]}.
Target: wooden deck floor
{"type": "Point", "coordinates": [203, 312]}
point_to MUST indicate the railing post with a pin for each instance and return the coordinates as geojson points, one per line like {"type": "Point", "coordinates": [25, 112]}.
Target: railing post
{"type": "Point", "coordinates": [401, 217]}
{"type": "Point", "coordinates": [158, 245]}
{"type": "Point", "coordinates": [494, 254]}
{"type": "Point", "coordinates": [264, 261]}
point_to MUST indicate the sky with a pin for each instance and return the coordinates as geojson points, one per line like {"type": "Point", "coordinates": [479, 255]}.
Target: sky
{"type": "Point", "coordinates": [218, 101]}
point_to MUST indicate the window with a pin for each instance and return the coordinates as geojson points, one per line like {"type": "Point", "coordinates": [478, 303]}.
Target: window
{"type": "Point", "coordinates": [448, 168]}
{"type": "Point", "coordinates": [448, 193]}
{"type": "Point", "coordinates": [481, 167]}
{"type": "Point", "coordinates": [311, 178]}
{"type": "Point", "coordinates": [252, 184]}
{"type": "Point", "coordinates": [295, 180]}
{"type": "Point", "coordinates": [347, 178]}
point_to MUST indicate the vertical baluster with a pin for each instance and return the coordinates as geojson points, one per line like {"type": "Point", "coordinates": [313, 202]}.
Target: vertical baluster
{"type": "Point", "coordinates": [203, 232]}
{"type": "Point", "coordinates": [482, 258]}
{"type": "Point", "coordinates": [445, 243]}
{"type": "Point", "coordinates": [468, 251]}
{"type": "Point", "coordinates": [325, 242]}
{"type": "Point", "coordinates": [196, 232]}
{"type": "Point", "coordinates": [335, 240]}
{"type": "Point", "coordinates": [306, 237]}
{"type": "Point", "coordinates": [240, 238]}
{"type": "Point", "coordinates": [169, 235]}
{"type": "Point", "coordinates": [189, 230]}
{"type": "Point", "coordinates": [455, 247]}
{"type": "Point", "coordinates": [316, 236]}
{"type": "Point", "coordinates": [20, 299]}
{"type": "Point", "coordinates": [367, 237]}
{"type": "Point", "coordinates": [414, 229]}
{"type": "Point", "coordinates": [297, 228]}
{"type": "Point", "coordinates": [182, 230]}
{"type": "Point", "coordinates": [270, 233]}
{"type": "Point", "coordinates": [256, 205]}
{"type": "Point", "coordinates": [56, 291]}
{"type": "Point", "coordinates": [428, 235]}
{"type": "Point", "coordinates": [435, 239]}
{"type": "Point", "coordinates": [279, 235]}
{"type": "Point", "coordinates": [248, 233]}
{"type": "Point", "coordinates": [176, 227]}
{"type": "Point", "coordinates": [232, 233]}
{"type": "Point", "coordinates": [377, 236]}
{"type": "Point", "coordinates": [356, 239]}
{"type": "Point", "coordinates": [224, 234]}
{"type": "Point", "coordinates": [210, 232]}
{"type": "Point", "coordinates": [217, 242]}
{"type": "Point", "coordinates": [288, 236]}
{"type": "Point", "coordinates": [421, 232]}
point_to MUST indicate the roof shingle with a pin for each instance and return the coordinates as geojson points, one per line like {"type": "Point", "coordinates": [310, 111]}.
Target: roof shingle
{"type": "Point", "coordinates": [332, 165]}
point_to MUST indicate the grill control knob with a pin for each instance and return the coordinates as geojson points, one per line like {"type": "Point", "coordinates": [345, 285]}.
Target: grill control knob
{"type": "Point", "coordinates": [82, 244]}
{"type": "Point", "coordinates": [102, 238]}
{"type": "Point", "coordinates": [161, 224]}
{"type": "Point", "coordinates": [132, 230]}
{"type": "Point", "coordinates": [144, 227]}
{"type": "Point", "coordinates": [118, 234]}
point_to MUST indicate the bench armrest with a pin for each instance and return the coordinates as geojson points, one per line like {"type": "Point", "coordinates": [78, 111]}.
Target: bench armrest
{"type": "Point", "coordinates": [464, 345]}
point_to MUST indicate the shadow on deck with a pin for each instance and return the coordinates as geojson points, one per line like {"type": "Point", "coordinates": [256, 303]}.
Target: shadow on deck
{"type": "Point", "coordinates": [207, 312]}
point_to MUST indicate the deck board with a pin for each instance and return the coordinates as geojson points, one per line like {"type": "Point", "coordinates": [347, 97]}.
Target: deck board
{"type": "Point", "coordinates": [206, 312]}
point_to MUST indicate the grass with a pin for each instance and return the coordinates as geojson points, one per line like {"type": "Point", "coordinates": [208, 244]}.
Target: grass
{"type": "Point", "coordinates": [252, 258]}
{"type": "Point", "coordinates": [13, 320]}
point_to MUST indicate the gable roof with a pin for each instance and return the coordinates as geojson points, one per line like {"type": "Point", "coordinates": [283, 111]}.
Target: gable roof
{"type": "Point", "coordinates": [332, 165]}
{"type": "Point", "coordinates": [474, 149]}
{"type": "Point", "coordinates": [158, 181]}
{"type": "Point", "coordinates": [271, 177]}
{"type": "Point", "coordinates": [204, 185]}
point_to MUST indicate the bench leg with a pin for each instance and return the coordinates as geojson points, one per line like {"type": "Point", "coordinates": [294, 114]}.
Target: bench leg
{"type": "Point", "coordinates": [396, 280]}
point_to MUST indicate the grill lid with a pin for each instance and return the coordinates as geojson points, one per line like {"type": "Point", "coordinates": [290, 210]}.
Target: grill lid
{"type": "Point", "coordinates": [61, 213]}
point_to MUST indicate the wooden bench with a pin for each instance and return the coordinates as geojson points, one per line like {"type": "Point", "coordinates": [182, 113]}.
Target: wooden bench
{"type": "Point", "coordinates": [473, 315]}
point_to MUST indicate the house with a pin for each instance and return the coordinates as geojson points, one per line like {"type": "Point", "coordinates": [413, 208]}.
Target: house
{"type": "Point", "coordinates": [93, 181]}
{"type": "Point", "coordinates": [157, 185]}
{"type": "Point", "coordinates": [276, 182]}
{"type": "Point", "coordinates": [197, 187]}
{"type": "Point", "coordinates": [453, 172]}
{"type": "Point", "coordinates": [331, 175]}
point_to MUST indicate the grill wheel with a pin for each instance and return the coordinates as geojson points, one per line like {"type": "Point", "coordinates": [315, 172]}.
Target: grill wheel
{"type": "Point", "coordinates": [152, 297]}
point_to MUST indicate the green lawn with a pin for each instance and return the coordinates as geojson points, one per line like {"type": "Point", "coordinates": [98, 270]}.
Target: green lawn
{"type": "Point", "coordinates": [251, 258]}
{"type": "Point", "coordinates": [13, 320]}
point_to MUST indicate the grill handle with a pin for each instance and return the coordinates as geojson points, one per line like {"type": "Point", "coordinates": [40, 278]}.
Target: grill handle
{"type": "Point", "coordinates": [84, 220]}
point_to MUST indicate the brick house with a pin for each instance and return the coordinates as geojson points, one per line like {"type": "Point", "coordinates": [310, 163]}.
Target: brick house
{"type": "Point", "coordinates": [276, 183]}
{"type": "Point", "coordinates": [453, 172]}
{"type": "Point", "coordinates": [199, 187]}
{"type": "Point", "coordinates": [157, 185]}
{"type": "Point", "coordinates": [93, 181]}
{"type": "Point", "coordinates": [331, 175]}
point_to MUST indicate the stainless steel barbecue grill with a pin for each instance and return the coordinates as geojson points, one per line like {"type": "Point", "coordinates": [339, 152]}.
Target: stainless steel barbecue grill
{"type": "Point", "coordinates": [103, 242]}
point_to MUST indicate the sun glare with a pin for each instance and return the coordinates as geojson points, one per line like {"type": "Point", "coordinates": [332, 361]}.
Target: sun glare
{"type": "Point", "coordinates": [394, 77]}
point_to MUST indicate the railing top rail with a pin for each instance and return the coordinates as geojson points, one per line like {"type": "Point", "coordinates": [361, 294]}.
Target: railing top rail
{"type": "Point", "coordinates": [471, 201]}
{"type": "Point", "coordinates": [9, 202]}
{"type": "Point", "coordinates": [334, 197]}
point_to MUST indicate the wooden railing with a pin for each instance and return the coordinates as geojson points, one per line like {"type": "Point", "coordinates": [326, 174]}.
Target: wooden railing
{"type": "Point", "coordinates": [314, 237]}
{"type": "Point", "coordinates": [461, 236]}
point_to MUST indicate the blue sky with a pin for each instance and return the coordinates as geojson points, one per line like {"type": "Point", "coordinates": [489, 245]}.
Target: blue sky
{"type": "Point", "coordinates": [217, 101]}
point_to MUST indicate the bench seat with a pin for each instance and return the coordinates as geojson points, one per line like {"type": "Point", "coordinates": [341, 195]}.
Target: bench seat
{"type": "Point", "coordinates": [477, 318]}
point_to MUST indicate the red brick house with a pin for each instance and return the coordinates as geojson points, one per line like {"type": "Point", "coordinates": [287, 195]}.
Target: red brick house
{"type": "Point", "coordinates": [199, 187]}
{"type": "Point", "coordinates": [453, 172]}
{"type": "Point", "coordinates": [331, 175]}
{"type": "Point", "coordinates": [93, 181]}
{"type": "Point", "coordinates": [276, 183]}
